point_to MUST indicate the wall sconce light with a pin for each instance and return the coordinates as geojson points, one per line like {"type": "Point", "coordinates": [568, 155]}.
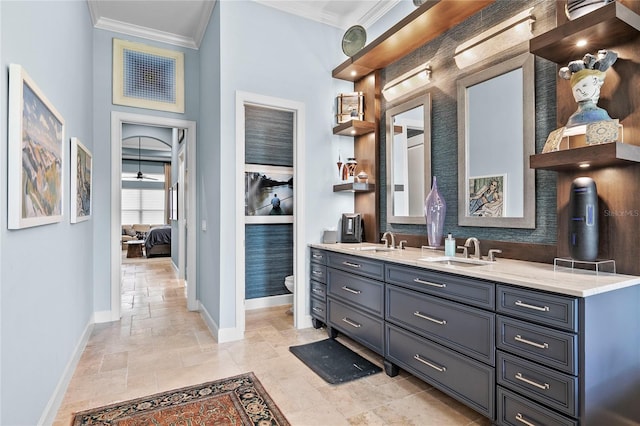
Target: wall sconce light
{"type": "Point", "coordinates": [408, 82]}
{"type": "Point", "coordinates": [499, 38]}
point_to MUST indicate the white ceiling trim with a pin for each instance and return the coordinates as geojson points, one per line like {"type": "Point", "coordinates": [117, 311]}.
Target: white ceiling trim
{"type": "Point", "coordinates": [377, 12]}
{"type": "Point", "coordinates": [342, 21]}
{"type": "Point", "coordinates": [146, 33]}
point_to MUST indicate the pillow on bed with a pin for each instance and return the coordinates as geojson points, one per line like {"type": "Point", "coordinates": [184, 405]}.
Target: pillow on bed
{"type": "Point", "coordinates": [128, 230]}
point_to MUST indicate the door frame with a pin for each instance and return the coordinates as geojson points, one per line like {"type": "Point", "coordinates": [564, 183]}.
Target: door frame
{"type": "Point", "coordinates": [117, 120]}
{"type": "Point", "coordinates": [301, 319]}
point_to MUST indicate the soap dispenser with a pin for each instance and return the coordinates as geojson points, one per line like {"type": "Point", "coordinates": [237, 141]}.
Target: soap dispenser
{"type": "Point", "coordinates": [449, 246]}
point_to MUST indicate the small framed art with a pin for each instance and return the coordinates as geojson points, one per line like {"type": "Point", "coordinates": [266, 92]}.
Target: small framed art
{"type": "Point", "coordinates": [350, 107]}
{"type": "Point", "coordinates": [147, 77]}
{"type": "Point", "coordinates": [35, 154]}
{"type": "Point", "coordinates": [81, 165]}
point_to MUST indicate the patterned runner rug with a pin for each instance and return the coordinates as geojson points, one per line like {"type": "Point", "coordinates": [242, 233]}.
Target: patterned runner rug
{"type": "Point", "coordinates": [239, 400]}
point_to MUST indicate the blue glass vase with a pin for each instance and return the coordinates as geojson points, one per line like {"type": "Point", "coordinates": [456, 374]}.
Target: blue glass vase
{"type": "Point", "coordinates": [435, 210]}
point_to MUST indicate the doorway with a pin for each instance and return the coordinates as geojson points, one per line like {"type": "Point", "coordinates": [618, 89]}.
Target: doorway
{"type": "Point", "coordinates": [301, 318]}
{"type": "Point", "coordinates": [187, 190]}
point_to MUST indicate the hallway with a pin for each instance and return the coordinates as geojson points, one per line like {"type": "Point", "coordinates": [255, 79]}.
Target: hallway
{"type": "Point", "coordinates": [158, 345]}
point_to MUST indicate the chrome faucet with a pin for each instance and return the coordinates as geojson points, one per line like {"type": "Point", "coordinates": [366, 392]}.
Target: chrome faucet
{"type": "Point", "coordinates": [386, 240]}
{"type": "Point", "coordinates": [476, 246]}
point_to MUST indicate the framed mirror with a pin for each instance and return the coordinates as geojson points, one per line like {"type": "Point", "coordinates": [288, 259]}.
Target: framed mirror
{"type": "Point", "coordinates": [496, 136]}
{"type": "Point", "coordinates": [408, 159]}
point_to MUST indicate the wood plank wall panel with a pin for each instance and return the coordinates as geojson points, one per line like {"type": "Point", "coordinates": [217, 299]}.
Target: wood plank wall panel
{"type": "Point", "coordinates": [367, 155]}
{"type": "Point", "coordinates": [619, 204]}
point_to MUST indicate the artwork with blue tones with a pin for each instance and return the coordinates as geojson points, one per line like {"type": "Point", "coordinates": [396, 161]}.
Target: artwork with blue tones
{"type": "Point", "coordinates": [149, 76]}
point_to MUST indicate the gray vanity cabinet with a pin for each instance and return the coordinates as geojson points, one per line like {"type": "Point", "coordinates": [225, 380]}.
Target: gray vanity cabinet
{"type": "Point", "coordinates": [318, 285]}
{"type": "Point", "coordinates": [355, 299]}
{"type": "Point", "coordinates": [565, 360]}
{"type": "Point", "coordinates": [431, 334]}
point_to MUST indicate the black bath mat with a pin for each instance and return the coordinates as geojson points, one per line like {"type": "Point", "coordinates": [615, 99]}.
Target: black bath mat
{"type": "Point", "coordinates": [334, 362]}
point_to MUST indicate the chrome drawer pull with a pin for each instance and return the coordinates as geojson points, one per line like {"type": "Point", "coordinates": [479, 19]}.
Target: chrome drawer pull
{"type": "Point", "coordinates": [351, 323]}
{"type": "Point", "coordinates": [316, 256]}
{"type": "Point", "coordinates": [520, 377]}
{"type": "Point", "coordinates": [419, 315]}
{"type": "Point", "coordinates": [417, 357]}
{"type": "Point", "coordinates": [353, 265]}
{"type": "Point", "coordinates": [316, 309]}
{"type": "Point", "coordinates": [419, 281]}
{"type": "Point", "coordinates": [520, 418]}
{"type": "Point", "coordinates": [318, 273]}
{"type": "Point", "coordinates": [537, 308]}
{"type": "Point", "coordinates": [519, 338]}
{"type": "Point", "coordinates": [317, 291]}
{"type": "Point", "coordinates": [350, 290]}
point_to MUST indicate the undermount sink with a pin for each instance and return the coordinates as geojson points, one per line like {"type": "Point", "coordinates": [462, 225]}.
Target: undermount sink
{"type": "Point", "coordinates": [455, 261]}
{"type": "Point", "coordinates": [372, 248]}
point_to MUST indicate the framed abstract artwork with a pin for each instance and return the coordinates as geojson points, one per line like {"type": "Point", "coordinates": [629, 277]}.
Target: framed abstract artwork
{"type": "Point", "coordinates": [268, 194]}
{"type": "Point", "coordinates": [81, 171]}
{"type": "Point", "coordinates": [147, 77]}
{"type": "Point", "coordinates": [35, 154]}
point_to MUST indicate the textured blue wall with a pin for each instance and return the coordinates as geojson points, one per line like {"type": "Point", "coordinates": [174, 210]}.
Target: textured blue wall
{"type": "Point", "coordinates": [444, 120]}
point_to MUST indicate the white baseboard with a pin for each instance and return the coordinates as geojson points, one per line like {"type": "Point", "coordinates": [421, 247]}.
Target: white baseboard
{"type": "Point", "coordinates": [305, 323]}
{"type": "Point", "coordinates": [103, 316]}
{"type": "Point", "coordinates": [220, 334]}
{"type": "Point", "coordinates": [51, 410]}
{"type": "Point", "coordinates": [268, 302]}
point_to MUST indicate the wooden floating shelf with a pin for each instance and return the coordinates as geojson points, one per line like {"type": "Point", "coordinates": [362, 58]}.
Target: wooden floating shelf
{"type": "Point", "coordinates": [604, 27]}
{"type": "Point", "coordinates": [354, 187]}
{"type": "Point", "coordinates": [354, 128]}
{"type": "Point", "coordinates": [597, 156]}
{"type": "Point", "coordinates": [424, 24]}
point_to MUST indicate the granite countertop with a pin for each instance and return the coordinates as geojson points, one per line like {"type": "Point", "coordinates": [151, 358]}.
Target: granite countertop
{"type": "Point", "coordinates": [539, 276]}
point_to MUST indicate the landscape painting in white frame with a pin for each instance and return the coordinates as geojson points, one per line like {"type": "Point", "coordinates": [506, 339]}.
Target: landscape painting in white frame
{"type": "Point", "coordinates": [487, 196]}
{"type": "Point", "coordinates": [147, 76]}
{"type": "Point", "coordinates": [268, 194]}
{"type": "Point", "coordinates": [81, 173]}
{"type": "Point", "coordinates": [35, 154]}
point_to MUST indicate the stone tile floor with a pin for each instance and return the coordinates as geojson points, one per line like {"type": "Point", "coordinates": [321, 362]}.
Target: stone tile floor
{"type": "Point", "coordinates": [158, 345]}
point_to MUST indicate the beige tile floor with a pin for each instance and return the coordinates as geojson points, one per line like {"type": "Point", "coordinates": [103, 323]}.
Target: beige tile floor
{"type": "Point", "coordinates": [158, 345]}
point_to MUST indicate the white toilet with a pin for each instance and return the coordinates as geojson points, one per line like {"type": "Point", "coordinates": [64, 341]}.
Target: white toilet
{"type": "Point", "coordinates": [289, 283]}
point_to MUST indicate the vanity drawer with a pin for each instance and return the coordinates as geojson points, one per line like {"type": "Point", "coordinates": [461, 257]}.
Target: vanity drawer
{"type": "Point", "coordinates": [466, 329]}
{"type": "Point", "coordinates": [514, 410]}
{"type": "Point", "coordinates": [318, 256]}
{"type": "Point", "coordinates": [319, 272]}
{"type": "Point", "coordinates": [359, 326]}
{"type": "Point", "coordinates": [357, 265]}
{"type": "Point", "coordinates": [554, 310]}
{"type": "Point", "coordinates": [361, 292]}
{"type": "Point", "coordinates": [550, 387]}
{"type": "Point", "coordinates": [318, 290]}
{"type": "Point", "coordinates": [552, 348]}
{"type": "Point", "coordinates": [467, 380]}
{"type": "Point", "coordinates": [319, 309]}
{"type": "Point", "coordinates": [454, 287]}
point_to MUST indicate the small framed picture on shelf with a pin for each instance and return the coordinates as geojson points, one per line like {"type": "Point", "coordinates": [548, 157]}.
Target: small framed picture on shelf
{"type": "Point", "coordinates": [350, 107]}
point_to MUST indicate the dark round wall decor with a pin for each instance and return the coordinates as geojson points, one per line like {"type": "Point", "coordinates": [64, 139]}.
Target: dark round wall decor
{"type": "Point", "coordinates": [353, 40]}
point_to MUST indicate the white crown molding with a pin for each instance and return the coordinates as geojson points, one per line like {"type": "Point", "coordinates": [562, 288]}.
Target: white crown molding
{"type": "Point", "coordinates": [144, 32]}
{"type": "Point", "coordinates": [377, 12]}
{"type": "Point", "coordinates": [201, 28]}
{"type": "Point", "coordinates": [371, 15]}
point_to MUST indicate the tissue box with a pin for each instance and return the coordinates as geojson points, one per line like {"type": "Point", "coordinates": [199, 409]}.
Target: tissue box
{"type": "Point", "coordinates": [330, 237]}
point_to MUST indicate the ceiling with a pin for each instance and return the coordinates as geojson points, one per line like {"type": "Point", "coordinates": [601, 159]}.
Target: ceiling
{"type": "Point", "coordinates": [156, 19]}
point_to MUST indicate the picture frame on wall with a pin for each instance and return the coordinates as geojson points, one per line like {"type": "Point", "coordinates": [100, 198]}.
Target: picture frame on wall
{"type": "Point", "coordinates": [268, 194]}
{"type": "Point", "coordinates": [350, 107]}
{"type": "Point", "coordinates": [81, 181]}
{"type": "Point", "coordinates": [35, 154]}
{"type": "Point", "coordinates": [487, 195]}
{"type": "Point", "coordinates": [147, 76]}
